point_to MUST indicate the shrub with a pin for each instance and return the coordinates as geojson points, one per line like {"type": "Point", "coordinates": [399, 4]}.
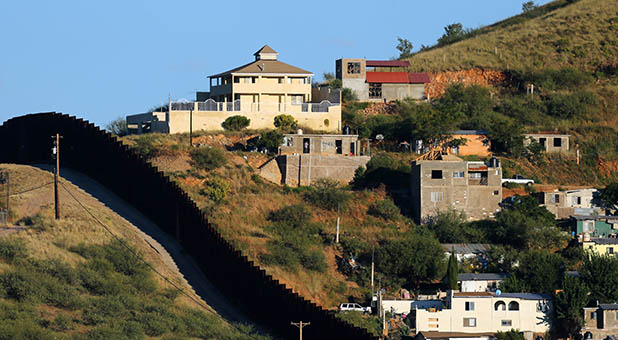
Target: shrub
{"type": "Point", "coordinates": [37, 222]}
{"type": "Point", "coordinates": [144, 146]}
{"type": "Point", "coordinates": [285, 123]}
{"type": "Point", "coordinates": [61, 323]}
{"type": "Point", "coordinates": [314, 260]}
{"type": "Point", "coordinates": [385, 209]}
{"type": "Point", "coordinates": [117, 127]}
{"type": "Point", "coordinates": [216, 189]}
{"type": "Point", "coordinates": [293, 215]}
{"type": "Point", "coordinates": [207, 158]}
{"type": "Point", "coordinates": [270, 140]}
{"type": "Point", "coordinates": [566, 106]}
{"type": "Point", "coordinates": [236, 123]}
{"type": "Point", "coordinates": [327, 194]}
{"type": "Point", "coordinates": [280, 255]}
{"type": "Point", "coordinates": [12, 249]}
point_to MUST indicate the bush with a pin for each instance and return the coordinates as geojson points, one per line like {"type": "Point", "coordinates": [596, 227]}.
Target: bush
{"type": "Point", "coordinates": [271, 140]}
{"type": "Point", "coordinates": [327, 194]}
{"type": "Point", "coordinates": [12, 249]}
{"type": "Point", "coordinates": [145, 146]}
{"type": "Point", "coordinates": [568, 106]}
{"type": "Point", "coordinates": [280, 255]}
{"type": "Point", "coordinates": [385, 209]}
{"type": "Point", "coordinates": [117, 127]}
{"type": "Point", "coordinates": [314, 260]}
{"type": "Point", "coordinates": [216, 189]}
{"type": "Point", "coordinates": [236, 123]}
{"type": "Point", "coordinates": [294, 215]}
{"type": "Point", "coordinates": [207, 158]}
{"type": "Point", "coordinates": [286, 123]}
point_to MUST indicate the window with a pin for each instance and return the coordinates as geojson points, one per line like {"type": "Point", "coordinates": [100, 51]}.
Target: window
{"type": "Point", "coordinates": [610, 250]}
{"type": "Point", "coordinates": [555, 198]}
{"type": "Point", "coordinates": [506, 323]}
{"type": "Point", "coordinates": [588, 226]}
{"type": "Point", "coordinates": [616, 315]}
{"type": "Point", "coordinates": [513, 305]}
{"type": "Point", "coordinates": [307, 80]}
{"type": "Point", "coordinates": [469, 322]}
{"type": "Point", "coordinates": [458, 174]}
{"type": "Point", "coordinates": [576, 200]}
{"type": "Point", "coordinates": [500, 305]}
{"type": "Point", "coordinates": [280, 80]}
{"type": "Point", "coordinates": [496, 192]}
{"type": "Point", "coordinates": [375, 90]}
{"type": "Point", "coordinates": [339, 146]}
{"type": "Point", "coordinates": [236, 80]}
{"type": "Point", "coordinates": [542, 141]}
{"type": "Point", "coordinates": [353, 68]}
{"type": "Point", "coordinates": [485, 142]}
{"type": "Point", "coordinates": [469, 305]}
{"type": "Point", "coordinates": [455, 150]}
{"type": "Point", "coordinates": [437, 196]}
{"type": "Point", "coordinates": [557, 142]}
{"type": "Point", "coordinates": [436, 174]}
{"type": "Point", "coordinates": [474, 175]}
{"type": "Point", "coordinates": [297, 99]}
{"type": "Point", "coordinates": [306, 145]}
{"type": "Point", "coordinates": [593, 315]}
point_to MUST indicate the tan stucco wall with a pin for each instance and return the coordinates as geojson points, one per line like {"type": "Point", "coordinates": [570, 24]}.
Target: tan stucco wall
{"type": "Point", "coordinates": [526, 319]}
{"type": "Point", "coordinates": [263, 119]}
{"type": "Point", "coordinates": [549, 143]}
{"type": "Point", "coordinates": [266, 88]}
{"type": "Point", "coordinates": [474, 145]}
{"type": "Point", "coordinates": [307, 169]}
{"type": "Point", "coordinates": [600, 249]}
{"type": "Point", "coordinates": [320, 144]}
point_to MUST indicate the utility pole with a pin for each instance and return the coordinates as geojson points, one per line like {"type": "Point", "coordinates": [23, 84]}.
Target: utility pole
{"type": "Point", "coordinates": [191, 127]}
{"type": "Point", "coordinates": [300, 326]}
{"type": "Point", "coordinates": [5, 179]}
{"type": "Point", "coordinates": [337, 237]}
{"type": "Point", "coordinates": [56, 155]}
{"type": "Point", "coordinates": [373, 252]}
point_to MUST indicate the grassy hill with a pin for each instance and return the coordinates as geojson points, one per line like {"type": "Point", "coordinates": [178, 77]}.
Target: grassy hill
{"type": "Point", "coordinates": [561, 33]}
{"type": "Point", "coordinates": [71, 279]}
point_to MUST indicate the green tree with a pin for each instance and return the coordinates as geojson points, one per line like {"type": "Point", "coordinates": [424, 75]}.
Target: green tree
{"type": "Point", "coordinates": [414, 259]}
{"type": "Point", "coordinates": [600, 273]}
{"type": "Point", "coordinates": [286, 123]}
{"type": "Point", "coordinates": [452, 271]}
{"type": "Point", "coordinates": [501, 259]}
{"type": "Point", "coordinates": [609, 196]}
{"type": "Point", "coordinates": [404, 47]}
{"type": "Point", "coordinates": [207, 158]}
{"type": "Point", "coordinates": [528, 6]}
{"type": "Point", "coordinates": [236, 123]}
{"type": "Point", "coordinates": [332, 82]}
{"type": "Point", "coordinates": [539, 271]}
{"type": "Point", "coordinates": [506, 136]}
{"type": "Point", "coordinates": [117, 127]}
{"type": "Point", "coordinates": [452, 33]}
{"type": "Point", "coordinates": [569, 303]}
{"type": "Point", "coordinates": [513, 334]}
{"type": "Point", "coordinates": [271, 140]}
{"type": "Point", "coordinates": [327, 194]}
{"type": "Point", "coordinates": [215, 189]}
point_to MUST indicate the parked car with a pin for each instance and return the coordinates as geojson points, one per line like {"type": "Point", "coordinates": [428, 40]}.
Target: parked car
{"type": "Point", "coordinates": [518, 179]}
{"type": "Point", "coordinates": [354, 307]}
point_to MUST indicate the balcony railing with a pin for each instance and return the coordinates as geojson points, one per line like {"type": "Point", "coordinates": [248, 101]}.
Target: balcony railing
{"type": "Point", "coordinates": [235, 106]}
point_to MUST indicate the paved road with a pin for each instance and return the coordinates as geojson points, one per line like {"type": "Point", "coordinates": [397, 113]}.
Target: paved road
{"type": "Point", "coordinates": [167, 246]}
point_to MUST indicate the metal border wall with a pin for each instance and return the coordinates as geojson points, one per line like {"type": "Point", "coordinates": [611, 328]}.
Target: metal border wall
{"type": "Point", "coordinates": [86, 148]}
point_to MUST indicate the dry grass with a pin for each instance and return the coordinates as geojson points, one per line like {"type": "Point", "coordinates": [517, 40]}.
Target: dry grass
{"type": "Point", "coordinates": [583, 34]}
{"type": "Point", "coordinates": [76, 226]}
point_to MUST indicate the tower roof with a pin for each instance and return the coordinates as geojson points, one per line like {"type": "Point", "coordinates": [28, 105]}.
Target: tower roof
{"type": "Point", "coordinates": [265, 49]}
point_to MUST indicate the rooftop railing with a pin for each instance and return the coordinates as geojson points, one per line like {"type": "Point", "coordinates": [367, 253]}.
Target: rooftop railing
{"type": "Point", "coordinates": [236, 106]}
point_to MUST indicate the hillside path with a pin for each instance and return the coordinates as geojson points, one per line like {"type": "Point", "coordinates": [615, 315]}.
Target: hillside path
{"type": "Point", "coordinates": [171, 252]}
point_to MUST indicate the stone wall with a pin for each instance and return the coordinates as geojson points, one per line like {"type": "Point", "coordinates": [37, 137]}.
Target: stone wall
{"type": "Point", "coordinates": [306, 169]}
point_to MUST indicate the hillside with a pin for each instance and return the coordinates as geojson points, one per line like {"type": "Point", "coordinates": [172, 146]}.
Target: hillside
{"type": "Point", "coordinates": [74, 279]}
{"type": "Point", "coordinates": [561, 33]}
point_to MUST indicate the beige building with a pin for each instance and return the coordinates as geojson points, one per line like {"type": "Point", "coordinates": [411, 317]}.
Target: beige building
{"type": "Point", "coordinates": [259, 90]}
{"type": "Point", "coordinates": [305, 158]}
{"type": "Point", "coordinates": [600, 321]}
{"type": "Point", "coordinates": [601, 246]}
{"type": "Point", "coordinates": [380, 80]}
{"type": "Point", "coordinates": [479, 282]}
{"type": "Point", "coordinates": [448, 182]}
{"type": "Point", "coordinates": [552, 142]}
{"type": "Point", "coordinates": [565, 204]}
{"type": "Point", "coordinates": [486, 312]}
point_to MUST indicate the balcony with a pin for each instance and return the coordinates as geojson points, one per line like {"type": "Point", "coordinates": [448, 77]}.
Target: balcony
{"type": "Point", "coordinates": [236, 106]}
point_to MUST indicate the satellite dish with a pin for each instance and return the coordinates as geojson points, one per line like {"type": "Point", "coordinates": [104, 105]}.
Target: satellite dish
{"type": "Point", "coordinates": [498, 292]}
{"type": "Point", "coordinates": [379, 137]}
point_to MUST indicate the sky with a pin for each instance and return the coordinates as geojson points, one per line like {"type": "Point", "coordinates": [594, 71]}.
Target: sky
{"type": "Point", "coordinates": [100, 60]}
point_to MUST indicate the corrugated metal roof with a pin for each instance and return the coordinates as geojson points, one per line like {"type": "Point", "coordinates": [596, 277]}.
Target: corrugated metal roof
{"type": "Point", "coordinates": [418, 78]}
{"type": "Point", "coordinates": [601, 240]}
{"type": "Point", "coordinates": [609, 306]}
{"type": "Point", "coordinates": [388, 77]}
{"type": "Point", "coordinates": [470, 132]}
{"type": "Point", "coordinates": [480, 276]}
{"type": "Point", "coordinates": [387, 63]}
{"type": "Point", "coordinates": [466, 248]}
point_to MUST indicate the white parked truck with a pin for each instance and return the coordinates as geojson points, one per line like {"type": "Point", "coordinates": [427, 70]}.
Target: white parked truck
{"type": "Point", "coordinates": [518, 179]}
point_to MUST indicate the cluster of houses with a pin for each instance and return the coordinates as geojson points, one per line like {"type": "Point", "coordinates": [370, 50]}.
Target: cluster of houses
{"type": "Point", "coordinates": [440, 180]}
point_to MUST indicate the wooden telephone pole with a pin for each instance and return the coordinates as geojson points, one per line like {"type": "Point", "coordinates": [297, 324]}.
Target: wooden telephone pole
{"type": "Point", "coordinates": [300, 326]}
{"type": "Point", "coordinates": [56, 155]}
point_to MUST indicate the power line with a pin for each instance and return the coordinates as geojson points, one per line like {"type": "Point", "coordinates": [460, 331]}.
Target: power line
{"type": "Point", "coordinates": [182, 291]}
{"type": "Point", "coordinates": [31, 189]}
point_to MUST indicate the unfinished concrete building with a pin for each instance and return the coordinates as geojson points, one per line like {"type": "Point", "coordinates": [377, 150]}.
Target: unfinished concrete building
{"type": "Point", "coordinates": [381, 80]}
{"type": "Point", "coordinates": [305, 158]}
{"type": "Point", "coordinates": [565, 204]}
{"type": "Point", "coordinates": [552, 142]}
{"type": "Point", "coordinates": [442, 181]}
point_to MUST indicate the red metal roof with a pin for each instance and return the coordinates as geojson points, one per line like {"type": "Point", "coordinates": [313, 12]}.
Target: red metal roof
{"type": "Point", "coordinates": [388, 63]}
{"type": "Point", "coordinates": [397, 77]}
{"type": "Point", "coordinates": [418, 78]}
{"type": "Point", "coordinates": [388, 77]}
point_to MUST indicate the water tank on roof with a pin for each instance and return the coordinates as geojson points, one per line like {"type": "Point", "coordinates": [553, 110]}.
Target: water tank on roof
{"type": "Point", "coordinates": [299, 131]}
{"type": "Point", "coordinates": [494, 162]}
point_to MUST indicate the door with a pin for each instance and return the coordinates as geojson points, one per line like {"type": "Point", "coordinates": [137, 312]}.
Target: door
{"type": "Point", "coordinates": [306, 145]}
